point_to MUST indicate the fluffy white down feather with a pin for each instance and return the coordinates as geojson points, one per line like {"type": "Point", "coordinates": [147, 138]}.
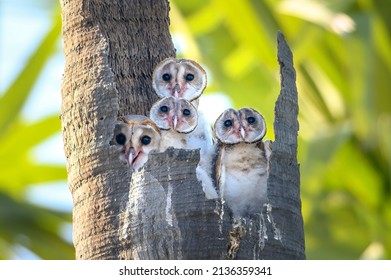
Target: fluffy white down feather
{"type": "Point", "coordinates": [244, 178]}
{"type": "Point", "coordinates": [201, 138]}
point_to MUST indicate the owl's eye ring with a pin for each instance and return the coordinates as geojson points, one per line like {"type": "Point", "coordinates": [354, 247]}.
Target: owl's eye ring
{"type": "Point", "coordinates": [186, 112]}
{"type": "Point", "coordinates": [164, 109]}
{"type": "Point", "coordinates": [166, 77]}
{"type": "Point", "coordinates": [228, 123]}
{"type": "Point", "coordinates": [189, 77]}
{"type": "Point", "coordinates": [145, 140]}
{"type": "Point", "coordinates": [120, 138]}
{"type": "Point", "coordinates": [251, 120]}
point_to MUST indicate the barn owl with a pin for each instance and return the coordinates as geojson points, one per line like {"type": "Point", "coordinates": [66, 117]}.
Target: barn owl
{"type": "Point", "coordinates": [184, 79]}
{"type": "Point", "coordinates": [176, 119]}
{"type": "Point", "coordinates": [136, 136]}
{"type": "Point", "coordinates": [180, 78]}
{"type": "Point", "coordinates": [180, 128]}
{"type": "Point", "coordinates": [242, 164]}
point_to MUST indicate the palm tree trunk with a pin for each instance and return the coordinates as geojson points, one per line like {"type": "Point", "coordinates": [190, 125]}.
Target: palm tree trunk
{"type": "Point", "coordinates": [111, 49]}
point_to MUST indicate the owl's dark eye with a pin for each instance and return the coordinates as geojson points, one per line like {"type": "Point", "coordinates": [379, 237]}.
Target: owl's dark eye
{"type": "Point", "coordinates": [164, 109]}
{"type": "Point", "coordinates": [145, 140]}
{"type": "Point", "coordinates": [228, 123]}
{"type": "Point", "coordinates": [120, 138]}
{"type": "Point", "coordinates": [189, 77]}
{"type": "Point", "coordinates": [166, 77]}
{"type": "Point", "coordinates": [186, 112]}
{"type": "Point", "coordinates": [251, 120]}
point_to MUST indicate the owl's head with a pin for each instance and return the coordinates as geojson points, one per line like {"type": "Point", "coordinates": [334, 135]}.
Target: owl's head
{"type": "Point", "coordinates": [253, 126]}
{"type": "Point", "coordinates": [180, 78]}
{"type": "Point", "coordinates": [245, 125]}
{"type": "Point", "coordinates": [227, 127]}
{"type": "Point", "coordinates": [136, 136]}
{"type": "Point", "coordinates": [175, 114]}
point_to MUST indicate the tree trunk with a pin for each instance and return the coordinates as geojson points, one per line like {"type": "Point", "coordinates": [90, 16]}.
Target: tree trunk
{"type": "Point", "coordinates": [111, 48]}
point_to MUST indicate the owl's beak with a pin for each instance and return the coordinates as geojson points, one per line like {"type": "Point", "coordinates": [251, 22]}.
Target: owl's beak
{"type": "Point", "coordinates": [132, 156]}
{"type": "Point", "coordinates": [175, 121]}
{"type": "Point", "coordinates": [242, 133]}
{"type": "Point", "coordinates": [176, 90]}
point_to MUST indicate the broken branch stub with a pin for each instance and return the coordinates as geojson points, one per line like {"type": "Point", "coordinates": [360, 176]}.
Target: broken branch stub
{"type": "Point", "coordinates": [284, 176]}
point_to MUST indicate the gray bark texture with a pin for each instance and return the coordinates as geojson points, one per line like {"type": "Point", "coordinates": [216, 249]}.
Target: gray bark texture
{"type": "Point", "coordinates": [160, 212]}
{"type": "Point", "coordinates": [111, 48]}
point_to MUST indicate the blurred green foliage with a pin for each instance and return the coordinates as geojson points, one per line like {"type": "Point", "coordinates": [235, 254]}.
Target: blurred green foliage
{"type": "Point", "coordinates": [343, 62]}
{"type": "Point", "coordinates": [22, 223]}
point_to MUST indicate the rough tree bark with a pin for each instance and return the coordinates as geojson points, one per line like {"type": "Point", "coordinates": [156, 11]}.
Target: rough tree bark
{"type": "Point", "coordinates": [111, 48]}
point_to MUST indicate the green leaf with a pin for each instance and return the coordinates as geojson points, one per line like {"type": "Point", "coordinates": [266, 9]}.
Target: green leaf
{"type": "Point", "coordinates": [255, 36]}
{"type": "Point", "coordinates": [23, 137]}
{"type": "Point", "coordinates": [12, 101]}
{"type": "Point", "coordinates": [204, 20]}
{"type": "Point", "coordinates": [33, 227]}
{"type": "Point", "coordinates": [15, 180]}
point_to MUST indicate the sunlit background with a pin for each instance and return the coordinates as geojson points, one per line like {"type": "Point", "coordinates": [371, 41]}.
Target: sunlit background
{"type": "Point", "coordinates": [342, 55]}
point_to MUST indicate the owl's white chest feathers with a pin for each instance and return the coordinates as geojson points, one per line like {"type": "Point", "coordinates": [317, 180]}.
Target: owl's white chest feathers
{"type": "Point", "coordinates": [244, 178]}
{"type": "Point", "coordinates": [201, 138]}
